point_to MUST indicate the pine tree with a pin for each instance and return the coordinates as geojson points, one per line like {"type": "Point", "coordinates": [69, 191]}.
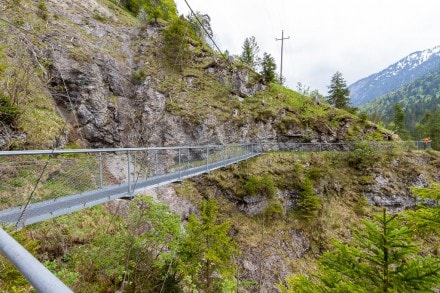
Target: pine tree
{"type": "Point", "coordinates": [206, 253]}
{"type": "Point", "coordinates": [431, 127]}
{"type": "Point", "coordinates": [268, 67]}
{"type": "Point", "coordinates": [338, 94]}
{"type": "Point", "coordinates": [382, 258]}
{"type": "Point", "coordinates": [250, 52]}
{"type": "Point", "coordinates": [399, 122]}
{"type": "Point", "coordinates": [426, 218]}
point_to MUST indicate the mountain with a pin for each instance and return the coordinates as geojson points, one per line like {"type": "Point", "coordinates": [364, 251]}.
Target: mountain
{"type": "Point", "coordinates": [415, 98]}
{"type": "Point", "coordinates": [395, 76]}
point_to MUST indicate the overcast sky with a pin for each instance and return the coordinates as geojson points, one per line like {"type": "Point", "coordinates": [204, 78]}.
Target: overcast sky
{"type": "Point", "coordinates": [355, 37]}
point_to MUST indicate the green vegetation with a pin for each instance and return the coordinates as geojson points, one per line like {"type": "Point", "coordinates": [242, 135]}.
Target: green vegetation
{"type": "Point", "coordinates": [64, 175]}
{"type": "Point", "coordinates": [425, 218]}
{"type": "Point", "coordinates": [249, 55]}
{"type": "Point", "coordinates": [314, 197]}
{"type": "Point", "coordinates": [8, 112]}
{"type": "Point", "coordinates": [147, 251]}
{"type": "Point", "coordinates": [338, 93]}
{"type": "Point", "coordinates": [164, 9]}
{"type": "Point", "coordinates": [419, 102]}
{"type": "Point", "coordinates": [206, 253]}
{"type": "Point", "coordinates": [201, 25]}
{"type": "Point", "coordinates": [308, 203]}
{"type": "Point", "coordinates": [364, 156]}
{"type": "Point", "coordinates": [138, 77]}
{"type": "Point", "coordinates": [268, 67]}
{"type": "Point", "coordinates": [399, 122]}
{"type": "Point", "coordinates": [382, 257]}
{"type": "Point", "coordinates": [176, 48]}
{"type": "Point", "coordinates": [42, 11]}
{"type": "Point", "coordinates": [11, 280]}
{"type": "Point", "coordinates": [263, 186]}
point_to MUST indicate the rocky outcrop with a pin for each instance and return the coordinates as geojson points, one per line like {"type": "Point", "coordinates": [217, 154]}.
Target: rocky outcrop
{"type": "Point", "coordinates": [391, 189]}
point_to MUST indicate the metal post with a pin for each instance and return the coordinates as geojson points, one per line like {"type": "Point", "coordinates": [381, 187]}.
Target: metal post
{"type": "Point", "coordinates": [282, 44]}
{"type": "Point", "coordinates": [207, 158]}
{"type": "Point", "coordinates": [129, 172]}
{"type": "Point", "coordinates": [37, 274]}
{"type": "Point", "coordinates": [156, 163]}
{"type": "Point", "coordinates": [147, 165]}
{"type": "Point", "coordinates": [187, 158]}
{"type": "Point", "coordinates": [180, 169]}
{"type": "Point", "coordinates": [100, 169]}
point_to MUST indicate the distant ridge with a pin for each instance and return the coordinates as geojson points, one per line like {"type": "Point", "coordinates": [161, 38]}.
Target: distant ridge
{"type": "Point", "coordinates": [395, 76]}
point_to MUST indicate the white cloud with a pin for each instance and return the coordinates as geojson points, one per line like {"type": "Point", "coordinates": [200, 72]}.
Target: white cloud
{"type": "Point", "coordinates": [357, 38]}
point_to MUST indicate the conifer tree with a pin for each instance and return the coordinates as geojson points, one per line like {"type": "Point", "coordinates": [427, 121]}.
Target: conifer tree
{"type": "Point", "coordinates": [431, 128]}
{"type": "Point", "coordinates": [426, 218]}
{"type": "Point", "coordinates": [399, 122]}
{"type": "Point", "coordinates": [250, 52]}
{"type": "Point", "coordinates": [382, 258]}
{"type": "Point", "coordinates": [206, 253]}
{"type": "Point", "coordinates": [268, 67]}
{"type": "Point", "coordinates": [338, 93]}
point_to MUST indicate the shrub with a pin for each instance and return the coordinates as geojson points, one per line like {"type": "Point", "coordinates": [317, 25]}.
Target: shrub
{"type": "Point", "coordinates": [275, 209]}
{"type": "Point", "coordinates": [42, 11]}
{"type": "Point", "coordinates": [176, 46]}
{"type": "Point", "coordinates": [264, 186]}
{"type": "Point", "coordinates": [8, 112]}
{"type": "Point", "coordinates": [308, 203]}
{"type": "Point", "coordinates": [364, 156]}
{"type": "Point", "coordinates": [138, 77]}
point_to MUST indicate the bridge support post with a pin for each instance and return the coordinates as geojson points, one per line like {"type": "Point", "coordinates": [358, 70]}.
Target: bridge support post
{"type": "Point", "coordinates": [180, 168]}
{"type": "Point", "coordinates": [129, 172]}
{"type": "Point", "coordinates": [155, 162]}
{"type": "Point", "coordinates": [207, 159]}
{"type": "Point", "coordinates": [100, 169]}
{"type": "Point", "coordinates": [187, 158]}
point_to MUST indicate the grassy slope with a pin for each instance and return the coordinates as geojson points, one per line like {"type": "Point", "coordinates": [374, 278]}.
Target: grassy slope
{"type": "Point", "coordinates": [338, 183]}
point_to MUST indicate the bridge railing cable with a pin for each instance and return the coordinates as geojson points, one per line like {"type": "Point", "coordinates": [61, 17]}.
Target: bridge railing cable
{"type": "Point", "coordinates": [78, 171]}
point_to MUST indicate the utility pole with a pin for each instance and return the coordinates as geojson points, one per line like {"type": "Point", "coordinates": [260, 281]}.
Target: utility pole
{"type": "Point", "coordinates": [282, 44]}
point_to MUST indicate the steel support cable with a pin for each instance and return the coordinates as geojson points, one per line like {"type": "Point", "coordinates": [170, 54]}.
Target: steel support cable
{"type": "Point", "coordinates": [20, 218]}
{"type": "Point", "coordinates": [201, 24]}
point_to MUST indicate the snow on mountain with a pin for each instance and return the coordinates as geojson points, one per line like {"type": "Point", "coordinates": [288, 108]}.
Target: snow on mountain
{"type": "Point", "coordinates": [404, 71]}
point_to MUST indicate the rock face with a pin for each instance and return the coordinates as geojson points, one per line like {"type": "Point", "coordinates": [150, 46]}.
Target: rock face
{"type": "Point", "coordinates": [109, 82]}
{"type": "Point", "coordinates": [390, 189]}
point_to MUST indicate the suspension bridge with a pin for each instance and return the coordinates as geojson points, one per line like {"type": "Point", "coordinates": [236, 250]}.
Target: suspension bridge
{"type": "Point", "coordinates": [37, 185]}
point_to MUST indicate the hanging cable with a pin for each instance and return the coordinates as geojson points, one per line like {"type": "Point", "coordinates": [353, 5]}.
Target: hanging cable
{"type": "Point", "coordinates": [201, 24]}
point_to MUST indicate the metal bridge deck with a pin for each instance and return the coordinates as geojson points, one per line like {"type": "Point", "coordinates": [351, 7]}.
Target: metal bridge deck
{"type": "Point", "coordinates": [48, 209]}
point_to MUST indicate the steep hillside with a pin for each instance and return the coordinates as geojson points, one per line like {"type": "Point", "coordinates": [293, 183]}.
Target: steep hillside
{"type": "Point", "coordinates": [395, 76]}
{"type": "Point", "coordinates": [117, 81]}
{"type": "Point", "coordinates": [285, 209]}
{"type": "Point", "coordinates": [416, 98]}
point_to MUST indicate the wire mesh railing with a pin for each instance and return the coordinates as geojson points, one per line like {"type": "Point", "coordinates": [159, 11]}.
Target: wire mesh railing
{"type": "Point", "coordinates": [343, 146]}
{"type": "Point", "coordinates": [78, 171]}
